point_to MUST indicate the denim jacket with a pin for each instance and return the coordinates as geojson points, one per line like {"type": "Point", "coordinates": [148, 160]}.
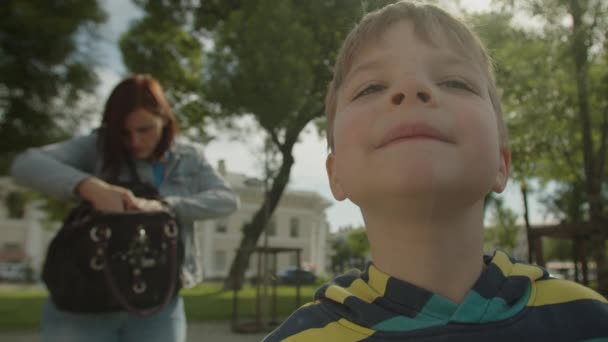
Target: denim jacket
{"type": "Point", "coordinates": [190, 185]}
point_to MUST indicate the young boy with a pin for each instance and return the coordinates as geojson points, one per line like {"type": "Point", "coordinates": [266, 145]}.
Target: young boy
{"type": "Point", "coordinates": [417, 141]}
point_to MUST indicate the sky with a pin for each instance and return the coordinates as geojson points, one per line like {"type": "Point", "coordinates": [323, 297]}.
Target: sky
{"type": "Point", "coordinates": [308, 172]}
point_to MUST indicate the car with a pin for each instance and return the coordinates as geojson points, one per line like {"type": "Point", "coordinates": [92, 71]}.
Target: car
{"type": "Point", "coordinates": [15, 271]}
{"type": "Point", "coordinates": [292, 276]}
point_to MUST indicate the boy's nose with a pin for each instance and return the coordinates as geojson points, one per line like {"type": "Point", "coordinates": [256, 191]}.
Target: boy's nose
{"type": "Point", "coordinates": [423, 96]}
{"type": "Point", "coordinates": [413, 89]}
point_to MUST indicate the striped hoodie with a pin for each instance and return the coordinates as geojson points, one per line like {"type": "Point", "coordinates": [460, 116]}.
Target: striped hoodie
{"type": "Point", "coordinates": [510, 301]}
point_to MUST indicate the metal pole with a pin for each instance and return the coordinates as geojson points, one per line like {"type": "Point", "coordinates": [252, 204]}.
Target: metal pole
{"type": "Point", "coordinates": [274, 320]}
{"type": "Point", "coordinates": [258, 304]}
{"type": "Point", "coordinates": [235, 299]}
{"type": "Point", "coordinates": [298, 279]}
{"type": "Point", "coordinates": [267, 220]}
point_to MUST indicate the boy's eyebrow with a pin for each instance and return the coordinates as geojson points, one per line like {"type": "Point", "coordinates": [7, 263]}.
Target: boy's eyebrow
{"type": "Point", "coordinates": [455, 60]}
{"type": "Point", "coordinates": [444, 59]}
{"type": "Point", "coordinates": [371, 64]}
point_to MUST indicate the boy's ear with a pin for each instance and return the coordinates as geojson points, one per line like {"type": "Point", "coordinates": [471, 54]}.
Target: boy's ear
{"type": "Point", "coordinates": [503, 170]}
{"type": "Point", "coordinates": [334, 183]}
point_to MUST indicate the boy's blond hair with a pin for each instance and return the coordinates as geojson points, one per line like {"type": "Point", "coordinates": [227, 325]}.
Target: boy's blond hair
{"type": "Point", "coordinates": [430, 22]}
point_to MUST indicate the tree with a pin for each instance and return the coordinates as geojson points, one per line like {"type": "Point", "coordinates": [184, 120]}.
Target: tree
{"type": "Point", "coordinates": [587, 17]}
{"type": "Point", "coordinates": [15, 202]}
{"type": "Point", "coordinates": [503, 230]}
{"type": "Point", "coordinates": [269, 59]}
{"type": "Point", "coordinates": [45, 70]}
{"type": "Point", "coordinates": [351, 249]}
{"type": "Point", "coordinates": [341, 255]}
{"type": "Point", "coordinates": [161, 44]}
{"type": "Point", "coordinates": [273, 60]}
{"type": "Point", "coordinates": [554, 81]}
{"type": "Point", "coordinates": [359, 245]}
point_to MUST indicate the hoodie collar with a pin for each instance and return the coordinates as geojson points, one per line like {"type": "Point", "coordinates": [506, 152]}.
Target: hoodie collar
{"type": "Point", "coordinates": [378, 301]}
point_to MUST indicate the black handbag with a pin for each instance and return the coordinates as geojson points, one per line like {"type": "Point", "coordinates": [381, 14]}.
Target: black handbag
{"type": "Point", "coordinates": [103, 262]}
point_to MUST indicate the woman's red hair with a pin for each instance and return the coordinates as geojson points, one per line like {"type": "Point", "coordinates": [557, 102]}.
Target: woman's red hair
{"type": "Point", "coordinates": [134, 93]}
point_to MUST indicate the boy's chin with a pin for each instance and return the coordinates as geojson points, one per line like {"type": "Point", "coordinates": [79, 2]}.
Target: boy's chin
{"type": "Point", "coordinates": [421, 194]}
{"type": "Point", "coordinates": [418, 185]}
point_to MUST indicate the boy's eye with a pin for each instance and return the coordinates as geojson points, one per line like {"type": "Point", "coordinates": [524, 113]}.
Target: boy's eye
{"type": "Point", "coordinates": [372, 88]}
{"type": "Point", "coordinates": [457, 84]}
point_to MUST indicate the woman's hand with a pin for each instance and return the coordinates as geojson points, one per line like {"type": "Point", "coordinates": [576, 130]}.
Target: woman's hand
{"type": "Point", "coordinates": [106, 197]}
{"type": "Point", "coordinates": [144, 204]}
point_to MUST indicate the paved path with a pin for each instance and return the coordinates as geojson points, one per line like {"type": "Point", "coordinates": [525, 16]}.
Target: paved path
{"type": "Point", "coordinates": [203, 332]}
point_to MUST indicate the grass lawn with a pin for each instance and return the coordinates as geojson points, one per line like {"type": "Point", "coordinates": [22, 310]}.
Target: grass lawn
{"type": "Point", "coordinates": [20, 309]}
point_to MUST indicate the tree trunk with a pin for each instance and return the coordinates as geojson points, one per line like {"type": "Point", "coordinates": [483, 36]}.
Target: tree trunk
{"type": "Point", "coordinates": [599, 256]}
{"type": "Point", "coordinates": [576, 256]}
{"type": "Point", "coordinates": [584, 262]}
{"type": "Point", "coordinates": [255, 228]}
{"type": "Point", "coordinates": [524, 195]}
{"type": "Point", "coordinates": [593, 166]}
{"type": "Point", "coordinates": [539, 258]}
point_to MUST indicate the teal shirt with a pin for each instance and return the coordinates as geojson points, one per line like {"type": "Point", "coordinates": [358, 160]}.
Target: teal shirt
{"type": "Point", "coordinates": [158, 172]}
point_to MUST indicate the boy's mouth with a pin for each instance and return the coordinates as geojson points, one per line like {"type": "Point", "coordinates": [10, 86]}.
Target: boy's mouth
{"type": "Point", "coordinates": [413, 130]}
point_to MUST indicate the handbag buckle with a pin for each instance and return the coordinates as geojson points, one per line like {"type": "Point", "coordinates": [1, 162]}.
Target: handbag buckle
{"type": "Point", "coordinates": [139, 287]}
{"type": "Point", "coordinates": [98, 234]}
{"type": "Point", "coordinates": [97, 263]}
{"type": "Point", "coordinates": [171, 230]}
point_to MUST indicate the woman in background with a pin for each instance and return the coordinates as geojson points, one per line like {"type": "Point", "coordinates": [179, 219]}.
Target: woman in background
{"type": "Point", "coordinates": [138, 125]}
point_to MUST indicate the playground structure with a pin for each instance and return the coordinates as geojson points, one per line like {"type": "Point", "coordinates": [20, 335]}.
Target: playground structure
{"type": "Point", "coordinates": [265, 280]}
{"type": "Point", "coordinates": [579, 233]}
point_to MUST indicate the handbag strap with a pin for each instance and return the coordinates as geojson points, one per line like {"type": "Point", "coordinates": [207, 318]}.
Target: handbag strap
{"type": "Point", "coordinates": [173, 269]}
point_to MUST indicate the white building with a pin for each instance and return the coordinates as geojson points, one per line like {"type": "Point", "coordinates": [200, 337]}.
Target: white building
{"type": "Point", "coordinates": [299, 221]}
{"type": "Point", "coordinates": [23, 240]}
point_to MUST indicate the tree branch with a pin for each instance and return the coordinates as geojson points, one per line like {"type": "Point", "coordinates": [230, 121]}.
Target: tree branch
{"type": "Point", "coordinates": [563, 151]}
{"type": "Point", "coordinates": [580, 53]}
{"type": "Point", "coordinates": [274, 137]}
{"type": "Point", "coordinates": [593, 25]}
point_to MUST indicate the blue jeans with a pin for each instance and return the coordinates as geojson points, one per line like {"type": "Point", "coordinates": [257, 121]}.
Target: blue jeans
{"type": "Point", "coordinates": [169, 325]}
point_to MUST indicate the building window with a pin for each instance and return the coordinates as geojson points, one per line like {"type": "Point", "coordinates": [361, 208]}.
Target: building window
{"type": "Point", "coordinates": [294, 227]}
{"type": "Point", "coordinates": [221, 226]}
{"type": "Point", "coordinates": [220, 260]}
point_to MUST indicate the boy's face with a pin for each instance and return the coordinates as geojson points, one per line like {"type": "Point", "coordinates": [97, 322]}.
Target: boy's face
{"type": "Point", "coordinates": [414, 122]}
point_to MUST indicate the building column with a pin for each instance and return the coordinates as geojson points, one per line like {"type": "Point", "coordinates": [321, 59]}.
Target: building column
{"type": "Point", "coordinates": [206, 236]}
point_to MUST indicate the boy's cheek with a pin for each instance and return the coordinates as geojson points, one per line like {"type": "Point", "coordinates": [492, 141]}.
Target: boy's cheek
{"type": "Point", "coordinates": [342, 134]}
{"type": "Point", "coordinates": [351, 127]}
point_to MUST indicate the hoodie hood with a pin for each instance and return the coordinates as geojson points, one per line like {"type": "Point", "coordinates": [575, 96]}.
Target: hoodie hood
{"type": "Point", "coordinates": [376, 301]}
